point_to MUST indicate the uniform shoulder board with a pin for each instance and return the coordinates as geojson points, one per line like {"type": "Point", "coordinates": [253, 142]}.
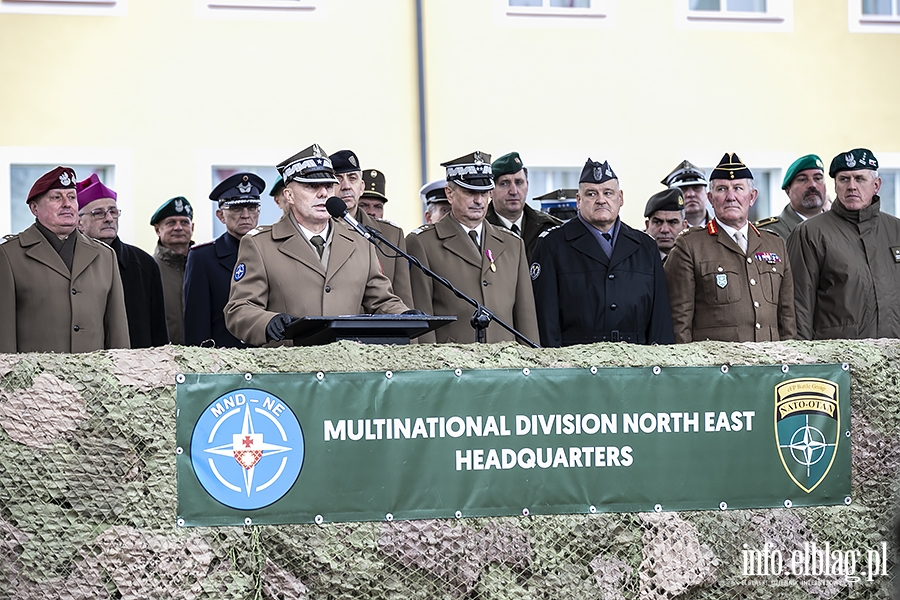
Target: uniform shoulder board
{"type": "Point", "coordinates": [258, 230]}
{"type": "Point", "coordinates": [386, 222]}
{"type": "Point", "coordinates": [422, 228]}
{"type": "Point", "coordinates": [546, 231]}
{"type": "Point", "coordinates": [505, 230]}
{"type": "Point", "coordinates": [195, 246]}
{"type": "Point", "coordinates": [9, 236]}
{"type": "Point", "coordinates": [766, 221]}
{"type": "Point", "coordinates": [691, 230]}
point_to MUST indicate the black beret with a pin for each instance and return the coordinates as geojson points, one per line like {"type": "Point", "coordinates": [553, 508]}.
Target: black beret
{"type": "Point", "coordinates": [344, 161]}
{"type": "Point", "coordinates": [670, 199]}
{"type": "Point", "coordinates": [853, 160]}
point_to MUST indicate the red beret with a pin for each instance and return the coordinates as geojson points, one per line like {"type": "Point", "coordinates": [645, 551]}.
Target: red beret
{"type": "Point", "coordinates": [91, 189]}
{"type": "Point", "coordinates": [57, 179]}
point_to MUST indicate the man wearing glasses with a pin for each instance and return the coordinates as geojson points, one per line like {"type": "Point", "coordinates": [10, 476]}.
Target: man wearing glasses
{"type": "Point", "coordinates": [207, 278]}
{"type": "Point", "coordinates": [99, 219]}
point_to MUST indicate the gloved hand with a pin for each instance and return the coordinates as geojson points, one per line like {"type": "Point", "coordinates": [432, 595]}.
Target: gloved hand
{"type": "Point", "coordinates": [275, 328]}
{"type": "Point", "coordinates": [413, 311]}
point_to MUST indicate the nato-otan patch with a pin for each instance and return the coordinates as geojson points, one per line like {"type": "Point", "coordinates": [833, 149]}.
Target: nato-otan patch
{"type": "Point", "coordinates": [895, 250]}
{"type": "Point", "coordinates": [239, 271]}
{"type": "Point", "coordinates": [535, 271]}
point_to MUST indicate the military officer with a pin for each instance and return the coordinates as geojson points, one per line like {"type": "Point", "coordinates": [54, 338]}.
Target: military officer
{"type": "Point", "coordinates": [350, 189]}
{"type": "Point", "coordinates": [595, 278]}
{"type": "Point", "coordinates": [305, 264]}
{"type": "Point", "coordinates": [373, 197]}
{"type": "Point", "coordinates": [664, 216]}
{"type": "Point", "coordinates": [207, 276]}
{"type": "Point", "coordinates": [804, 184]}
{"type": "Point", "coordinates": [485, 262]}
{"type": "Point", "coordinates": [174, 225]}
{"type": "Point", "coordinates": [691, 180]}
{"type": "Point", "coordinates": [60, 291]}
{"type": "Point", "coordinates": [847, 261]}
{"type": "Point", "coordinates": [144, 304]}
{"type": "Point", "coordinates": [560, 203]}
{"type": "Point", "coordinates": [729, 281]}
{"type": "Point", "coordinates": [434, 196]}
{"type": "Point", "coordinates": [277, 193]}
{"type": "Point", "coordinates": [507, 207]}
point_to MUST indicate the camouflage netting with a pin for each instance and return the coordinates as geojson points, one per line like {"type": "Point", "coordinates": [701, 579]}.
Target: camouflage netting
{"type": "Point", "coordinates": [88, 494]}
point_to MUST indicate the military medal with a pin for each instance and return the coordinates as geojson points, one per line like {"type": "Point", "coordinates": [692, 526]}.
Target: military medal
{"type": "Point", "coordinates": [490, 257]}
{"type": "Point", "coordinates": [769, 257]}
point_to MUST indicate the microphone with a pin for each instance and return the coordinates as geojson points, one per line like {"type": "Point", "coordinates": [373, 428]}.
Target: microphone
{"type": "Point", "coordinates": [338, 210]}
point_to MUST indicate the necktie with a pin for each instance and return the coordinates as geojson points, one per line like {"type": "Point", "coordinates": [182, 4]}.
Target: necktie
{"type": "Point", "coordinates": [741, 240]}
{"type": "Point", "coordinates": [515, 229]}
{"type": "Point", "coordinates": [607, 236]}
{"type": "Point", "coordinates": [474, 235]}
{"type": "Point", "coordinates": [319, 243]}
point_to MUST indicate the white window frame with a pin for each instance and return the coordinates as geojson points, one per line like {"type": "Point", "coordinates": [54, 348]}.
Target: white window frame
{"type": "Point", "coordinates": [602, 13]}
{"type": "Point", "coordinates": [778, 18]}
{"type": "Point", "coordinates": [861, 23]}
{"type": "Point", "coordinates": [262, 10]}
{"type": "Point", "coordinates": [91, 8]}
{"type": "Point", "coordinates": [118, 158]}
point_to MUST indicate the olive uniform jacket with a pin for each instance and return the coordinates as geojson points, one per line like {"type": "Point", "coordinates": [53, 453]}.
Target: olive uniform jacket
{"type": "Point", "coordinates": [46, 308]}
{"type": "Point", "coordinates": [144, 300]}
{"type": "Point", "coordinates": [534, 222]}
{"type": "Point", "coordinates": [505, 289]}
{"type": "Point", "coordinates": [171, 269]}
{"type": "Point", "coordinates": [278, 271]}
{"type": "Point", "coordinates": [584, 296]}
{"type": "Point", "coordinates": [782, 225]}
{"type": "Point", "coordinates": [719, 293]}
{"type": "Point", "coordinates": [396, 269]}
{"type": "Point", "coordinates": [847, 274]}
{"type": "Point", "coordinates": [207, 282]}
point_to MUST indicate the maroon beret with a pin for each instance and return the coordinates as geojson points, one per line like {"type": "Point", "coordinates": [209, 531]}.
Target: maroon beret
{"type": "Point", "coordinates": [57, 179]}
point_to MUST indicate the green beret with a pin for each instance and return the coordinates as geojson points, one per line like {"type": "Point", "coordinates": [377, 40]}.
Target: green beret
{"type": "Point", "coordinates": [810, 161]}
{"type": "Point", "coordinates": [277, 186]}
{"type": "Point", "coordinates": [507, 164]}
{"type": "Point", "coordinates": [173, 207]}
{"type": "Point", "coordinates": [670, 199]}
{"type": "Point", "coordinates": [854, 160]}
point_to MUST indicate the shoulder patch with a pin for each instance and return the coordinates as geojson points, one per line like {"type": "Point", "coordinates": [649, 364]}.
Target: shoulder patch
{"type": "Point", "coordinates": [535, 270]}
{"type": "Point", "coordinates": [240, 271]}
{"type": "Point", "coordinates": [766, 221]}
{"type": "Point", "coordinates": [422, 228]}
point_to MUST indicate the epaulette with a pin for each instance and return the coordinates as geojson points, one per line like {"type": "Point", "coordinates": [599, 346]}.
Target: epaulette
{"type": "Point", "coordinates": [693, 229]}
{"type": "Point", "coordinates": [386, 222]}
{"type": "Point", "coordinates": [422, 228]}
{"type": "Point", "coordinates": [258, 230]}
{"type": "Point", "coordinates": [766, 221]}
{"type": "Point", "coordinates": [195, 246]}
{"type": "Point", "coordinates": [505, 230]}
{"type": "Point", "coordinates": [546, 231]}
{"type": "Point", "coordinates": [9, 236]}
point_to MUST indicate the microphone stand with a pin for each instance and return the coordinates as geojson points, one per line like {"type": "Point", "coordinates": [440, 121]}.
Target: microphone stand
{"type": "Point", "coordinates": [482, 317]}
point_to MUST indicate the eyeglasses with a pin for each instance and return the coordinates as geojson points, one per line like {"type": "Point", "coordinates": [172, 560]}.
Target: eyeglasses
{"type": "Point", "coordinates": [239, 208]}
{"type": "Point", "coordinates": [100, 213]}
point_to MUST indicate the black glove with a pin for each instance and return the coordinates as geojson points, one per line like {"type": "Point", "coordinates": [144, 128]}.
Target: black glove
{"type": "Point", "coordinates": [275, 328]}
{"type": "Point", "coordinates": [413, 311]}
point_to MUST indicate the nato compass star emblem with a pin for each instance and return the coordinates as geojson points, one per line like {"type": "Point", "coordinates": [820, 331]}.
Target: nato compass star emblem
{"type": "Point", "coordinates": [247, 449]}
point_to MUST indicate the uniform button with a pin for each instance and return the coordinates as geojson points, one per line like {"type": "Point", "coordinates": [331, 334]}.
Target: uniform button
{"type": "Point", "coordinates": [74, 291]}
{"type": "Point", "coordinates": [721, 269]}
{"type": "Point", "coordinates": [613, 307]}
{"type": "Point", "coordinates": [484, 283]}
{"type": "Point", "coordinates": [749, 261]}
{"type": "Point", "coordinates": [327, 289]}
{"type": "Point", "coordinates": [752, 282]}
{"type": "Point", "coordinates": [77, 328]}
{"type": "Point", "coordinates": [756, 305]}
{"type": "Point", "coordinates": [774, 270]}
{"type": "Point", "coordinates": [757, 325]}
{"type": "Point", "coordinates": [611, 276]}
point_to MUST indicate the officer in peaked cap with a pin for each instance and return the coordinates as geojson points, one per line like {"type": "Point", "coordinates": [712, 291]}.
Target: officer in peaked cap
{"type": "Point", "coordinates": [846, 260]}
{"type": "Point", "coordinates": [508, 208]}
{"type": "Point", "coordinates": [174, 225]}
{"type": "Point", "coordinates": [60, 290]}
{"type": "Point", "coordinates": [804, 184]}
{"type": "Point", "coordinates": [485, 262]}
{"type": "Point", "coordinates": [207, 278]}
{"type": "Point", "coordinates": [434, 196]}
{"type": "Point", "coordinates": [351, 188]}
{"type": "Point", "coordinates": [373, 197]}
{"type": "Point", "coordinates": [729, 281]}
{"type": "Point", "coordinates": [144, 302]}
{"type": "Point", "coordinates": [306, 264]}
{"type": "Point", "coordinates": [691, 180]}
{"type": "Point", "coordinates": [560, 203]}
{"type": "Point", "coordinates": [595, 278]}
{"type": "Point", "coordinates": [664, 216]}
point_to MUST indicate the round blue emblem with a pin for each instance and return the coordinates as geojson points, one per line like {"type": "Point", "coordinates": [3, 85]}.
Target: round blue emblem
{"type": "Point", "coordinates": [239, 271]}
{"type": "Point", "coordinates": [247, 449]}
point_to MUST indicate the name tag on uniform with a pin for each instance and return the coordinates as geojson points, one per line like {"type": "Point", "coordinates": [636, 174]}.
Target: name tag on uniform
{"type": "Point", "coordinates": [721, 280]}
{"type": "Point", "coordinates": [896, 251]}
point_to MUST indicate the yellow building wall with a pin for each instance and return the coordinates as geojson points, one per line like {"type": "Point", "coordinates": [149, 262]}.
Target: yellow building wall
{"type": "Point", "coordinates": [170, 91]}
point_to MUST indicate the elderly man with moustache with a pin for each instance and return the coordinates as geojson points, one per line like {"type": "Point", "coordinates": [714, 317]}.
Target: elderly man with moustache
{"type": "Point", "coordinates": [847, 261]}
{"type": "Point", "coordinates": [804, 184]}
{"type": "Point", "coordinates": [729, 281]}
{"type": "Point", "coordinates": [305, 264]}
{"type": "Point", "coordinates": [99, 219]}
{"type": "Point", "coordinates": [484, 262]}
{"type": "Point", "coordinates": [60, 291]}
{"type": "Point", "coordinates": [595, 278]}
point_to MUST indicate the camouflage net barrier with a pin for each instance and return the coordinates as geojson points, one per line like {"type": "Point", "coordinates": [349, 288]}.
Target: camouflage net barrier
{"type": "Point", "coordinates": [88, 495]}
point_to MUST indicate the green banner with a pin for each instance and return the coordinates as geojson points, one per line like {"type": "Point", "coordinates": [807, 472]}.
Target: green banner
{"type": "Point", "coordinates": [326, 447]}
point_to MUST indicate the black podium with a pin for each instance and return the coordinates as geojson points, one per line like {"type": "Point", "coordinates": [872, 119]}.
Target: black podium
{"type": "Point", "coordinates": [367, 329]}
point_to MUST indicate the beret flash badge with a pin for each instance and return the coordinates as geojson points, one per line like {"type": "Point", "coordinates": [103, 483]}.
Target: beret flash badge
{"type": "Point", "coordinates": [64, 179]}
{"type": "Point", "coordinates": [848, 158]}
